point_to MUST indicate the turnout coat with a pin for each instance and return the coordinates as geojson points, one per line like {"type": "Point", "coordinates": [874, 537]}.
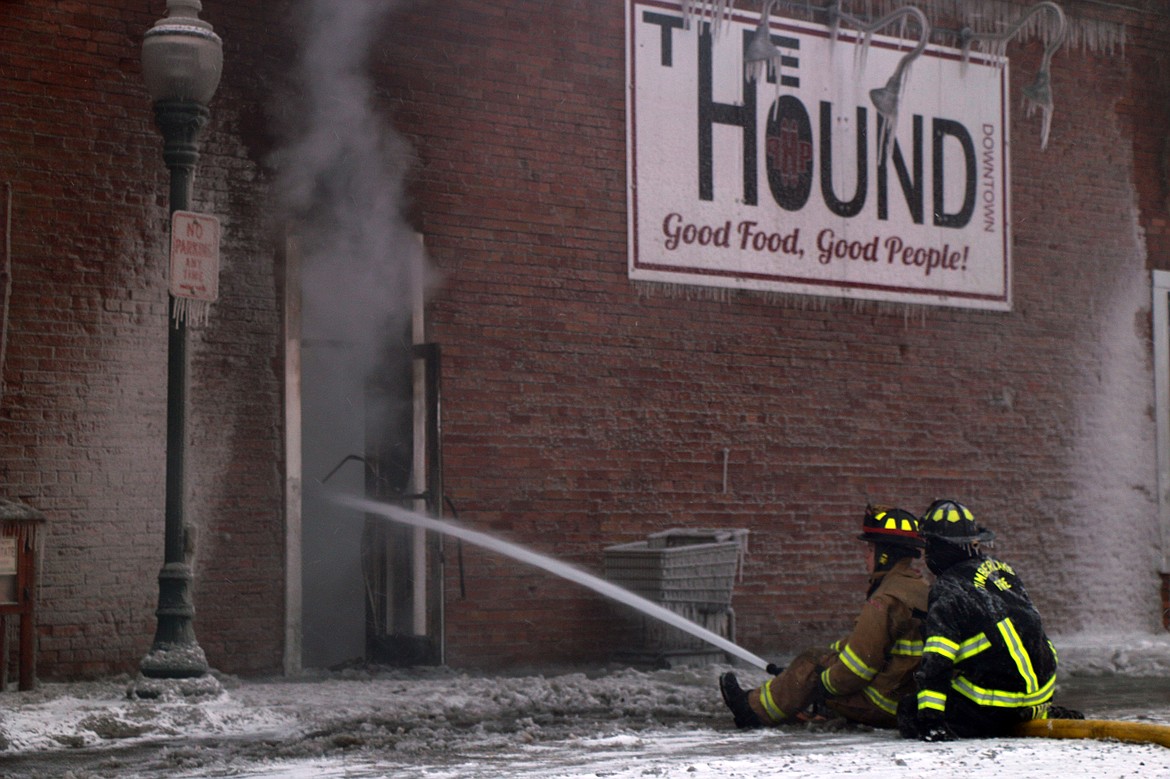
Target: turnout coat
{"type": "Point", "coordinates": [987, 662]}
{"type": "Point", "coordinates": [864, 675]}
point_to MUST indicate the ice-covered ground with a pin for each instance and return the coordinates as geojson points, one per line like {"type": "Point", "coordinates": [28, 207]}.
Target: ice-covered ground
{"type": "Point", "coordinates": [614, 722]}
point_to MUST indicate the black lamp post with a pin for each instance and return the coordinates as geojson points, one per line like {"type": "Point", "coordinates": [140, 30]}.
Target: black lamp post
{"type": "Point", "coordinates": [182, 59]}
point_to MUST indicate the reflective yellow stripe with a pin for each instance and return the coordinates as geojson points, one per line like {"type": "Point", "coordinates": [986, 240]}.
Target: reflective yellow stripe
{"type": "Point", "coordinates": [1015, 647]}
{"type": "Point", "coordinates": [957, 652]}
{"type": "Point", "coordinates": [769, 704]}
{"type": "Point", "coordinates": [881, 701]}
{"type": "Point", "coordinates": [1004, 698]}
{"type": "Point", "coordinates": [972, 646]}
{"type": "Point", "coordinates": [929, 699]}
{"type": "Point", "coordinates": [908, 647]}
{"type": "Point", "coordinates": [941, 646]}
{"type": "Point", "coordinates": [854, 663]}
{"type": "Point", "coordinates": [827, 682]}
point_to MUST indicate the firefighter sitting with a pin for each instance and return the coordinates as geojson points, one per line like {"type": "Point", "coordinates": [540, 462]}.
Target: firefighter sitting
{"type": "Point", "coordinates": [987, 664]}
{"type": "Point", "coordinates": [862, 677]}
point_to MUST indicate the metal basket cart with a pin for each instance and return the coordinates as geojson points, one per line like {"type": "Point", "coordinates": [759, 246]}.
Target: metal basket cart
{"type": "Point", "coordinates": [692, 572]}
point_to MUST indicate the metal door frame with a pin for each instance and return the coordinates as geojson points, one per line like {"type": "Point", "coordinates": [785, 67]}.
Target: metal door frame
{"type": "Point", "coordinates": [1161, 322]}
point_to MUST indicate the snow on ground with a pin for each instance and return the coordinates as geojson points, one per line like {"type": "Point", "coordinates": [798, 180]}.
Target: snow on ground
{"type": "Point", "coordinates": [615, 722]}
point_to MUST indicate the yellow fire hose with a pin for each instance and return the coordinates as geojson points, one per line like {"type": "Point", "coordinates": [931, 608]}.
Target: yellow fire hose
{"type": "Point", "coordinates": [1137, 732]}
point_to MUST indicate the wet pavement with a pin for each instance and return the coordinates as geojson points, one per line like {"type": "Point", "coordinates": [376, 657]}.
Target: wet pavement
{"type": "Point", "coordinates": [615, 724]}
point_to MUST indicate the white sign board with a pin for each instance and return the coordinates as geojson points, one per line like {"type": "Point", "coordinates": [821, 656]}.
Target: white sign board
{"type": "Point", "coordinates": [194, 256]}
{"type": "Point", "coordinates": [779, 183]}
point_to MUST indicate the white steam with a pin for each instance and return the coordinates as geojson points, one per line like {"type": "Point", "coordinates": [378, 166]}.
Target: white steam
{"type": "Point", "coordinates": [341, 174]}
{"type": "Point", "coordinates": [341, 182]}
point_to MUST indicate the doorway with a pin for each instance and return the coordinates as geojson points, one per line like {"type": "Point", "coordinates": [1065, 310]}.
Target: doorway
{"type": "Point", "coordinates": [360, 590]}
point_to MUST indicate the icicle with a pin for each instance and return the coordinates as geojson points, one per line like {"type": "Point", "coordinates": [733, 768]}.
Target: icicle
{"type": "Point", "coordinates": [990, 28]}
{"type": "Point", "coordinates": [1038, 96]}
{"type": "Point", "coordinates": [1051, 31]}
{"type": "Point", "coordinates": [994, 18]}
{"type": "Point", "coordinates": [835, 26]}
{"type": "Point", "coordinates": [761, 52]}
{"type": "Point", "coordinates": [886, 98]}
{"type": "Point", "coordinates": [1097, 36]}
{"type": "Point", "coordinates": [715, 12]}
{"type": "Point", "coordinates": [189, 310]}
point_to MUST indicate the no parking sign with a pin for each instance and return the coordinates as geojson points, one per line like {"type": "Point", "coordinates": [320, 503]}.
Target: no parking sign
{"type": "Point", "coordinates": [194, 280]}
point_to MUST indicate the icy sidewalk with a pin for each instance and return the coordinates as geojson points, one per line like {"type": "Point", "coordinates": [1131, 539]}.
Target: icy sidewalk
{"type": "Point", "coordinates": [615, 722]}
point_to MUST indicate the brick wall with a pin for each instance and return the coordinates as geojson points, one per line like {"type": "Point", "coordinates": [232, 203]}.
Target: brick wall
{"type": "Point", "coordinates": [82, 418]}
{"type": "Point", "coordinates": [580, 409]}
{"type": "Point", "coordinates": [583, 410]}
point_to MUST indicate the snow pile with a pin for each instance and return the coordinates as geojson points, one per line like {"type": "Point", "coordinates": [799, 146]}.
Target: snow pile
{"type": "Point", "coordinates": [614, 721]}
{"type": "Point", "coordinates": [86, 714]}
{"type": "Point", "coordinates": [403, 710]}
{"type": "Point", "coordinates": [1140, 655]}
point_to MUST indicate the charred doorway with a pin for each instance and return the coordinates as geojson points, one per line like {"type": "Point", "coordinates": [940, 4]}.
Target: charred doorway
{"type": "Point", "coordinates": [402, 565]}
{"type": "Point", "coordinates": [360, 589]}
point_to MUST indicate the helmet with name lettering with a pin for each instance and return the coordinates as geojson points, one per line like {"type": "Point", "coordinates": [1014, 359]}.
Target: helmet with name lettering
{"type": "Point", "coordinates": [893, 526]}
{"type": "Point", "coordinates": [952, 521]}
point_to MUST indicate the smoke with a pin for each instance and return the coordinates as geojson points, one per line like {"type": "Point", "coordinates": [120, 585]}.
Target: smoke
{"type": "Point", "coordinates": [340, 183]}
{"type": "Point", "coordinates": [340, 186]}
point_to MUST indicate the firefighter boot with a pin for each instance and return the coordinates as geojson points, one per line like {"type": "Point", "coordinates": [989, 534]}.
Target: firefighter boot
{"type": "Point", "coordinates": [736, 699]}
{"type": "Point", "coordinates": [1061, 712]}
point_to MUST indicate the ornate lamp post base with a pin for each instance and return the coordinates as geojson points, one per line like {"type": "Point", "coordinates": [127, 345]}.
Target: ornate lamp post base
{"type": "Point", "coordinates": [176, 665]}
{"type": "Point", "coordinates": [176, 653]}
{"type": "Point", "coordinates": [145, 687]}
{"type": "Point", "coordinates": [174, 661]}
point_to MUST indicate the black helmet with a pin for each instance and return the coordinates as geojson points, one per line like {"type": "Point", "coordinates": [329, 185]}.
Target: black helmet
{"type": "Point", "coordinates": [954, 522]}
{"type": "Point", "coordinates": [896, 527]}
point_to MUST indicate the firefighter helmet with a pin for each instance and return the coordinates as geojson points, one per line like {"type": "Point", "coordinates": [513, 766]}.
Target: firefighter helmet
{"type": "Point", "coordinates": [893, 526]}
{"type": "Point", "coordinates": [954, 522]}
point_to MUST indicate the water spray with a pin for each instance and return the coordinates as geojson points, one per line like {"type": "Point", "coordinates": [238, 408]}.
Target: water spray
{"type": "Point", "coordinates": [556, 567]}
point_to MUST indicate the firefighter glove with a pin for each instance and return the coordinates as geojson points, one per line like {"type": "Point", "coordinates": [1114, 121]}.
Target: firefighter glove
{"type": "Point", "coordinates": [816, 708]}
